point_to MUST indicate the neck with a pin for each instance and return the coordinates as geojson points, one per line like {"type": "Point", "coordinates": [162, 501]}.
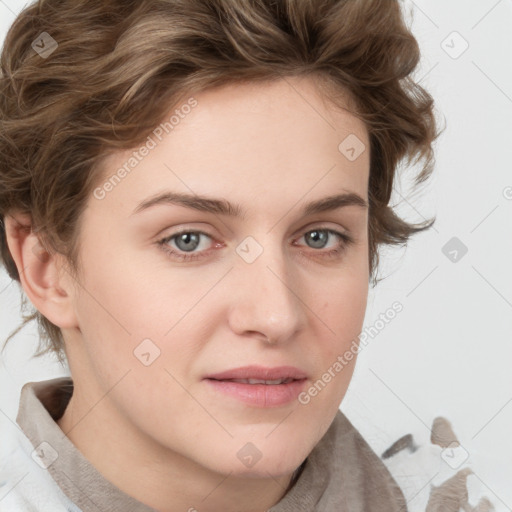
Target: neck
{"type": "Point", "coordinates": [159, 477]}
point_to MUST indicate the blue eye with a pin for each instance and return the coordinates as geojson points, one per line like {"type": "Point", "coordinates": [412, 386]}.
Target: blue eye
{"type": "Point", "coordinates": [186, 243]}
{"type": "Point", "coordinates": [320, 235]}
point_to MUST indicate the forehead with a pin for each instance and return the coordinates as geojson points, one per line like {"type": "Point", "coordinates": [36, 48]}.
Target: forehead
{"type": "Point", "coordinates": [252, 141]}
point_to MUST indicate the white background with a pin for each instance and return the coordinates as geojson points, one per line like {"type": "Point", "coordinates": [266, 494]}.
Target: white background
{"type": "Point", "coordinates": [448, 353]}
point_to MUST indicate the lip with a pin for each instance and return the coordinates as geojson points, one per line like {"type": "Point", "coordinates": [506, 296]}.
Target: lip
{"type": "Point", "coordinates": [260, 395]}
{"type": "Point", "coordinates": [260, 372]}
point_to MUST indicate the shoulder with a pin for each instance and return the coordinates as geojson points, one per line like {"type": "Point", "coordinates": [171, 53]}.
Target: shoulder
{"type": "Point", "coordinates": [373, 478]}
{"type": "Point", "coordinates": [25, 486]}
{"type": "Point", "coordinates": [350, 473]}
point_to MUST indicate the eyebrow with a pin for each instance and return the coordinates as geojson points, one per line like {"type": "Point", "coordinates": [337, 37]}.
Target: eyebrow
{"type": "Point", "coordinates": [224, 207]}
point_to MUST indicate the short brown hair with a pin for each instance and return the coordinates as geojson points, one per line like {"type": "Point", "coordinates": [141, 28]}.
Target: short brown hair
{"type": "Point", "coordinates": [121, 64]}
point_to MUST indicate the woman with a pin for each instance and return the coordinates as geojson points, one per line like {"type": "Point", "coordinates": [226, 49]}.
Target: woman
{"type": "Point", "coordinates": [193, 196]}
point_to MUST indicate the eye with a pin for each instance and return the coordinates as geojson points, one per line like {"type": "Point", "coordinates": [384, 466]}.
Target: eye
{"type": "Point", "coordinates": [186, 242]}
{"type": "Point", "coordinates": [318, 237]}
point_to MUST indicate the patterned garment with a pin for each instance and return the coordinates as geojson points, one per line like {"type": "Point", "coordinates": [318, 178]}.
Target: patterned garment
{"type": "Point", "coordinates": [413, 465]}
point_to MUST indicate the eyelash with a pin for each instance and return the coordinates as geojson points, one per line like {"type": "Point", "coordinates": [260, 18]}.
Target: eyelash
{"type": "Point", "coordinates": [345, 242]}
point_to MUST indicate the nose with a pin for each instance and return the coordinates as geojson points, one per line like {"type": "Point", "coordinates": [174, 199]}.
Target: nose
{"type": "Point", "coordinates": [266, 301]}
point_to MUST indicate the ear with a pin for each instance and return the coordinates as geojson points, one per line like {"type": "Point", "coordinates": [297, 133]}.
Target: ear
{"type": "Point", "coordinates": [45, 282]}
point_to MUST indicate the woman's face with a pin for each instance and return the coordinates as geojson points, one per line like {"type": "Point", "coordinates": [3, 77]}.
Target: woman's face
{"type": "Point", "coordinates": [268, 282]}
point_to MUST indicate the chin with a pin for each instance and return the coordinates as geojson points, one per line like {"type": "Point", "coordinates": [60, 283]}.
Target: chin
{"type": "Point", "coordinates": [253, 461]}
{"type": "Point", "coordinates": [263, 470]}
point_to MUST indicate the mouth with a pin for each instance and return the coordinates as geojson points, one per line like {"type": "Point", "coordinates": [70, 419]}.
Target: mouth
{"type": "Point", "coordinates": [260, 393]}
{"type": "Point", "coordinates": [259, 381]}
{"type": "Point", "coordinates": [260, 374]}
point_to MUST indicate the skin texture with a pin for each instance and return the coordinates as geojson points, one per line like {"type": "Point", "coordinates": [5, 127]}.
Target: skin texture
{"type": "Point", "coordinates": [159, 432]}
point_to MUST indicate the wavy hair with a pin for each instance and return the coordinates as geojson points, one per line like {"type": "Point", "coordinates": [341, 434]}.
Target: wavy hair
{"type": "Point", "coordinates": [120, 64]}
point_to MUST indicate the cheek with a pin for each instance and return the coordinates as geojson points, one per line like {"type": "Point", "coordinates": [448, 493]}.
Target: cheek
{"type": "Point", "coordinates": [342, 302]}
{"type": "Point", "coordinates": [126, 312]}
{"type": "Point", "coordinates": [339, 311]}
{"type": "Point", "coordinates": [124, 319]}
{"type": "Point", "coordinates": [115, 311]}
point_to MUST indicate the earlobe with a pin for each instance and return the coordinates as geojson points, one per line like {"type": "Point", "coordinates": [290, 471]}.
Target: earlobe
{"type": "Point", "coordinates": [44, 282]}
